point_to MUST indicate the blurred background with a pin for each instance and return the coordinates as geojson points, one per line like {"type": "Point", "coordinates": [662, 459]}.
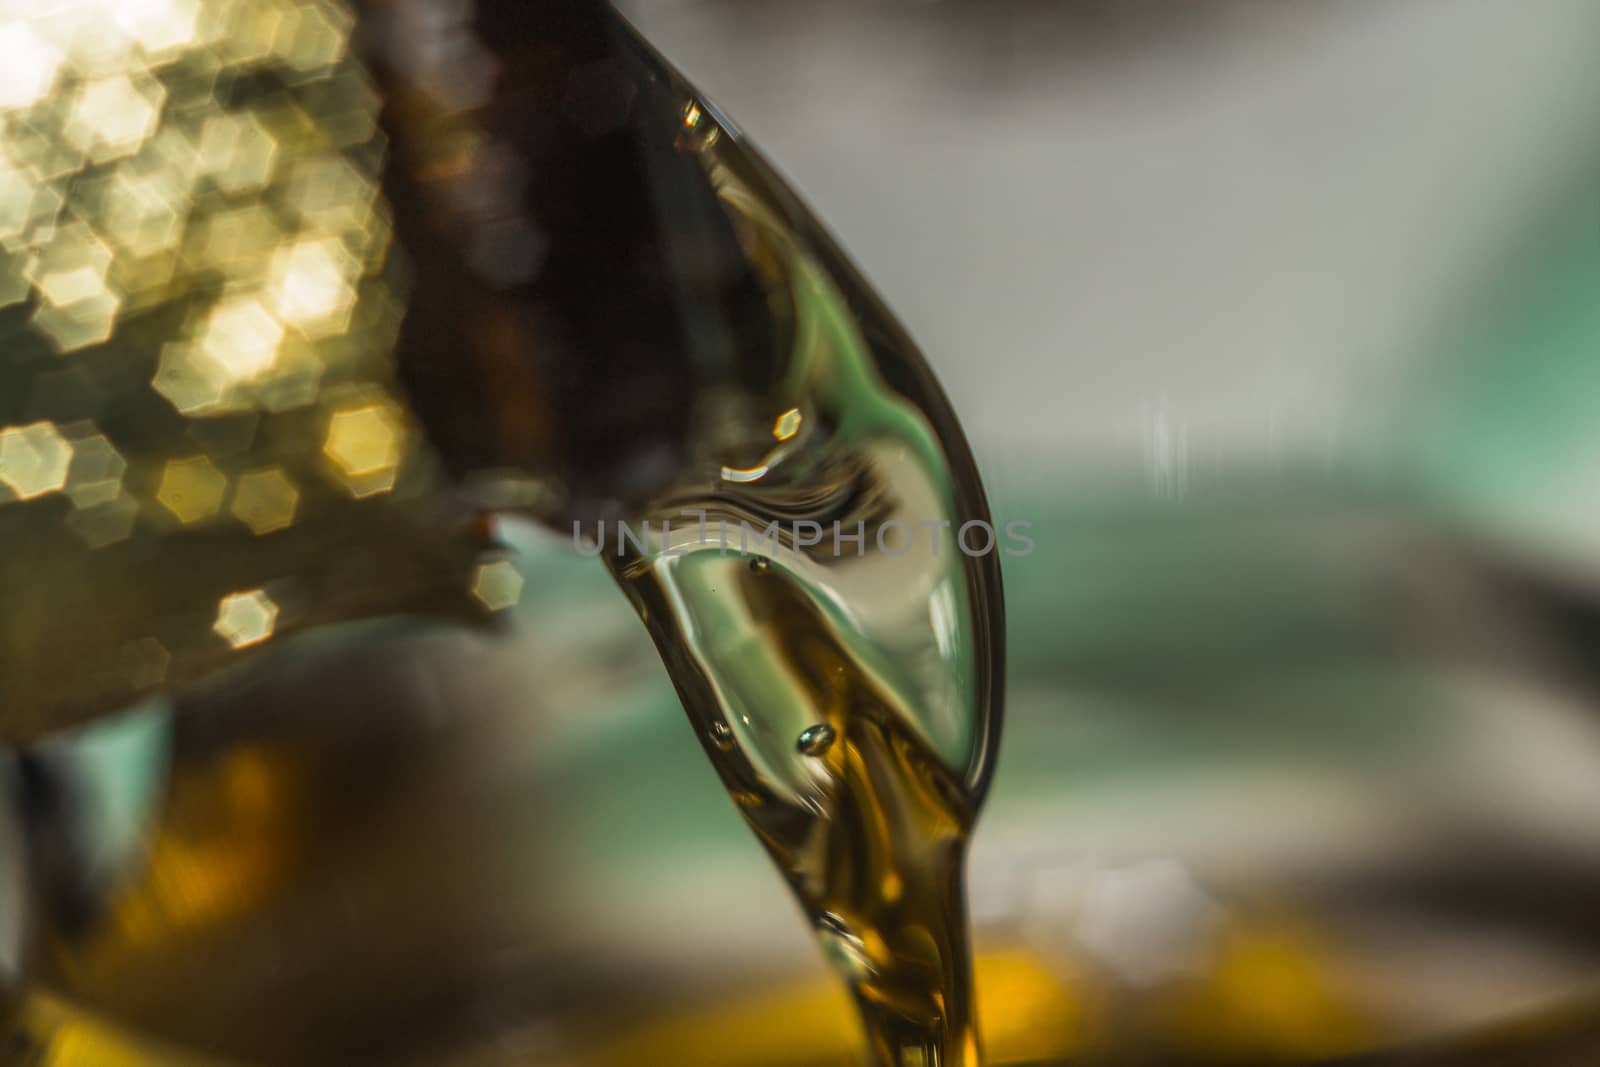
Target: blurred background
{"type": "Point", "coordinates": [1279, 324]}
{"type": "Point", "coordinates": [1177, 237]}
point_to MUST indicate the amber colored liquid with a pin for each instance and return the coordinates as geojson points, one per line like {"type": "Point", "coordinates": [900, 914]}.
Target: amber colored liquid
{"type": "Point", "coordinates": [845, 690]}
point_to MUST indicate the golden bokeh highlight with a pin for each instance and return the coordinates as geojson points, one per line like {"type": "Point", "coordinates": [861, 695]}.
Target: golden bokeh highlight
{"type": "Point", "coordinates": [313, 36]}
{"type": "Point", "coordinates": [365, 444]}
{"type": "Point", "coordinates": [28, 65]}
{"type": "Point", "coordinates": [240, 342]}
{"type": "Point", "coordinates": [311, 286]}
{"type": "Point", "coordinates": [95, 476]}
{"type": "Point", "coordinates": [197, 390]}
{"type": "Point", "coordinates": [34, 459]}
{"type": "Point", "coordinates": [111, 117]}
{"type": "Point", "coordinates": [79, 324]}
{"type": "Point", "coordinates": [497, 585]}
{"type": "Point", "coordinates": [191, 489]}
{"type": "Point", "coordinates": [265, 500]}
{"type": "Point", "coordinates": [786, 425]}
{"type": "Point", "coordinates": [246, 618]}
{"type": "Point", "coordinates": [216, 162]}
{"type": "Point", "coordinates": [238, 152]}
{"type": "Point", "coordinates": [158, 26]}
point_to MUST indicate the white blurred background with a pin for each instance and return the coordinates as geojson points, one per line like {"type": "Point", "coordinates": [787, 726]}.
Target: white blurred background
{"type": "Point", "coordinates": [1119, 226]}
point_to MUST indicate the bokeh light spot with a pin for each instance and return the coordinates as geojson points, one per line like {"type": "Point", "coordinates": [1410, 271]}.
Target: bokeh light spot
{"type": "Point", "coordinates": [34, 459]}
{"type": "Point", "coordinates": [365, 445]}
{"type": "Point", "coordinates": [497, 585]}
{"type": "Point", "coordinates": [310, 286]}
{"type": "Point", "coordinates": [28, 65]}
{"type": "Point", "coordinates": [241, 339]}
{"type": "Point", "coordinates": [246, 618]}
{"type": "Point", "coordinates": [265, 500]}
{"type": "Point", "coordinates": [191, 489]}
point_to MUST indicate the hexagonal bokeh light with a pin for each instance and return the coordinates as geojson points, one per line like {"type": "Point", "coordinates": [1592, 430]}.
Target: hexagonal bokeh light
{"type": "Point", "coordinates": [199, 304]}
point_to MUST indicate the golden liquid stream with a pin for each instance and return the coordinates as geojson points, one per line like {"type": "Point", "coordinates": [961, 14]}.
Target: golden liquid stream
{"type": "Point", "coordinates": [846, 690]}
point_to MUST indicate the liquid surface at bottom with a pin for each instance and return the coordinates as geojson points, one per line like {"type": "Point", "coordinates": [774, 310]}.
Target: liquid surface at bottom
{"type": "Point", "coordinates": [1033, 1022]}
